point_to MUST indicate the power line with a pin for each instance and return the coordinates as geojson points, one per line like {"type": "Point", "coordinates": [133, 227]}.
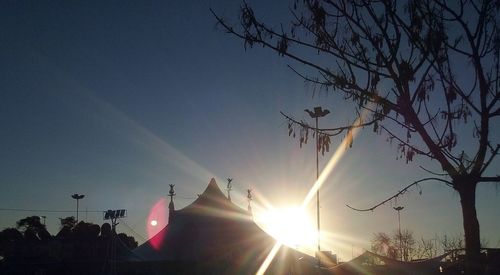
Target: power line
{"type": "Point", "coordinates": [133, 231]}
{"type": "Point", "coordinates": [43, 210]}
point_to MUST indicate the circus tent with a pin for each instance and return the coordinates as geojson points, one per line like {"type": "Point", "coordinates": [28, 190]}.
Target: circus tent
{"type": "Point", "coordinates": [213, 235]}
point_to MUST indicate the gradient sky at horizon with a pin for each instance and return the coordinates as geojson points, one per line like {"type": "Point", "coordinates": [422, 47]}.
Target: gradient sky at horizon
{"type": "Point", "coordinates": [118, 99]}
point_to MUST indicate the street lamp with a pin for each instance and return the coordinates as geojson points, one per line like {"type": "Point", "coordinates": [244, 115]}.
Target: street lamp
{"type": "Point", "coordinates": [317, 113]}
{"type": "Point", "coordinates": [77, 197]}
{"type": "Point", "coordinates": [399, 208]}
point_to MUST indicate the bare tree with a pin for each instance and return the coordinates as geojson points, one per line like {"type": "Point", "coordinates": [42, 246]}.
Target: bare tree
{"type": "Point", "coordinates": [452, 244]}
{"type": "Point", "coordinates": [407, 249]}
{"type": "Point", "coordinates": [400, 246]}
{"type": "Point", "coordinates": [383, 244]}
{"type": "Point", "coordinates": [418, 69]}
{"type": "Point", "coordinates": [426, 248]}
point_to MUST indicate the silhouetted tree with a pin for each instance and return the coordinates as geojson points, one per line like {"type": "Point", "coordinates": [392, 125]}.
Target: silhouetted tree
{"type": "Point", "coordinates": [68, 222]}
{"type": "Point", "coordinates": [33, 229]}
{"type": "Point", "coordinates": [81, 248]}
{"type": "Point", "coordinates": [86, 231]}
{"type": "Point", "coordinates": [9, 237]}
{"type": "Point", "coordinates": [129, 241]}
{"type": "Point", "coordinates": [400, 246]}
{"type": "Point", "coordinates": [31, 222]}
{"type": "Point", "coordinates": [426, 248]}
{"type": "Point", "coordinates": [406, 244]}
{"type": "Point", "coordinates": [383, 244]}
{"type": "Point", "coordinates": [10, 234]}
{"type": "Point", "coordinates": [66, 227]}
{"type": "Point", "coordinates": [415, 70]}
{"type": "Point", "coordinates": [451, 242]}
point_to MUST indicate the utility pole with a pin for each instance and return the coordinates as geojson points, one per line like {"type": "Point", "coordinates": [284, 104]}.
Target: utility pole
{"type": "Point", "coordinates": [318, 112]}
{"type": "Point", "coordinates": [77, 197]}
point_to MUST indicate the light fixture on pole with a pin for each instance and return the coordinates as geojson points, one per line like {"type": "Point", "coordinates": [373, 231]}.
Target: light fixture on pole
{"type": "Point", "coordinates": [77, 197]}
{"type": "Point", "coordinates": [318, 112]}
{"type": "Point", "coordinates": [399, 208]}
{"type": "Point", "coordinates": [114, 215]}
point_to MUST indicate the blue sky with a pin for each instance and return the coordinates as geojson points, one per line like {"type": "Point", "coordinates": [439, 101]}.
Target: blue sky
{"type": "Point", "coordinates": [117, 100]}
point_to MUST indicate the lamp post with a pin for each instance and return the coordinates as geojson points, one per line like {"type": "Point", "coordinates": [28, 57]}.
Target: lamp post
{"type": "Point", "coordinates": [317, 113]}
{"type": "Point", "coordinates": [77, 197]}
{"type": "Point", "coordinates": [399, 208]}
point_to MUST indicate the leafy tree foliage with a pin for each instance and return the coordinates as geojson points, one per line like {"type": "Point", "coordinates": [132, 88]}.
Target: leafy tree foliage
{"type": "Point", "coordinates": [31, 222]}
{"type": "Point", "coordinates": [423, 73]}
{"type": "Point", "coordinates": [68, 222]}
{"type": "Point", "coordinates": [128, 241]}
{"type": "Point", "coordinates": [9, 237]}
{"type": "Point", "coordinates": [33, 229]}
{"type": "Point", "coordinates": [31, 244]}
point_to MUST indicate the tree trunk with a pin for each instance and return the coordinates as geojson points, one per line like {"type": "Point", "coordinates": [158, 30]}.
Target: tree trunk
{"type": "Point", "coordinates": [471, 229]}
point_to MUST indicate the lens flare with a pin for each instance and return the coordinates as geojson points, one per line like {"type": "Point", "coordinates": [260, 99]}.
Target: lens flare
{"type": "Point", "coordinates": [318, 183]}
{"type": "Point", "coordinates": [155, 222]}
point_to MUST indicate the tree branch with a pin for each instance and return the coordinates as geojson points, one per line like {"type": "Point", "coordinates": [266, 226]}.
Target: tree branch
{"type": "Point", "coordinates": [494, 152]}
{"type": "Point", "coordinates": [490, 179]}
{"type": "Point", "coordinates": [431, 172]}
{"type": "Point", "coordinates": [495, 113]}
{"type": "Point", "coordinates": [401, 192]}
{"type": "Point", "coordinates": [338, 130]}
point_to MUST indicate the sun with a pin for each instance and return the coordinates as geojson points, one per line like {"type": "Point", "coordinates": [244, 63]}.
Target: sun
{"type": "Point", "coordinates": [154, 223]}
{"type": "Point", "coordinates": [291, 226]}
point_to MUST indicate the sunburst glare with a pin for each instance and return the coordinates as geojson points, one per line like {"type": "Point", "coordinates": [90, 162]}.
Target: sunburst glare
{"type": "Point", "coordinates": [333, 161]}
{"type": "Point", "coordinates": [291, 226]}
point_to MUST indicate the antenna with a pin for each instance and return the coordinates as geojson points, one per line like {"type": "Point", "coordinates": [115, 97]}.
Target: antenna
{"type": "Point", "coordinates": [229, 188]}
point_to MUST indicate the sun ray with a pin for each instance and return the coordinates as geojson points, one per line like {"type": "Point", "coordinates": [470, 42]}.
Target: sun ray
{"type": "Point", "coordinates": [269, 258]}
{"type": "Point", "coordinates": [318, 183]}
{"type": "Point", "coordinates": [330, 165]}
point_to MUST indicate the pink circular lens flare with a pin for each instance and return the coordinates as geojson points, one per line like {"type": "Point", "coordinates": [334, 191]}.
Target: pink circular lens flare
{"type": "Point", "coordinates": [155, 223]}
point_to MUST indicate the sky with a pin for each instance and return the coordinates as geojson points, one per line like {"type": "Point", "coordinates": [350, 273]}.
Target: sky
{"type": "Point", "coordinates": [118, 99]}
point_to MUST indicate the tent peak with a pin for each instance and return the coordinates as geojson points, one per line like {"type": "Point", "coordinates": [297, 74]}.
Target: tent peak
{"type": "Point", "coordinates": [213, 191]}
{"type": "Point", "coordinates": [213, 183]}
